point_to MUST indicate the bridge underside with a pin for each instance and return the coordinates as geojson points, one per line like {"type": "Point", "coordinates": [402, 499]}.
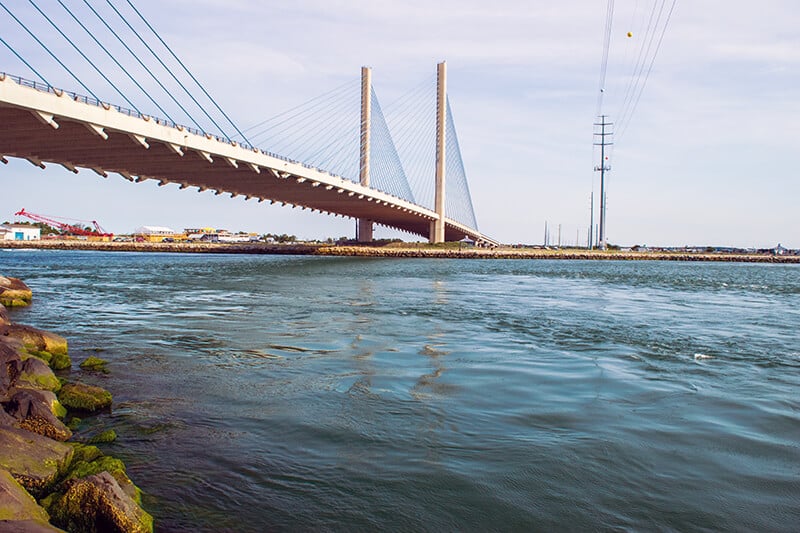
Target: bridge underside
{"type": "Point", "coordinates": [105, 140]}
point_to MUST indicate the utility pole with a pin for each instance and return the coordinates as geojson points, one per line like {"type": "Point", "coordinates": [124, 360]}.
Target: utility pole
{"type": "Point", "coordinates": [591, 221]}
{"type": "Point", "coordinates": [602, 168]}
{"type": "Point", "coordinates": [545, 233]}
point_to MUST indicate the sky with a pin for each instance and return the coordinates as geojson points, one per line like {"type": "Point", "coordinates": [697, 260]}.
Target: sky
{"type": "Point", "coordinates": [706, 157]}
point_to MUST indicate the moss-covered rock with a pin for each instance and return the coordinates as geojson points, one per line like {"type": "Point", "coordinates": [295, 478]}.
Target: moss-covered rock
{"type": "Point", "coordinates": [84, 397]}
{"type": "Point", "coordinates": [94, 363]}
{"type": "Point", "coordinates": [36, 340]}
{"type": "Point", "coordinates": [74, 423]}
{"type": "Point", "coordinates": [90, 460]}
{"type": "Point", "coordinates": [36, 411]}
{"type": "Point", "coordinates": [60, 361]}
{"type": "Point", "coordinates": [36, 462]}
{"type": "Point", "coordinates": [96, 504]}
{"type": "Point", "coordinates": [16, 504]}
{"type": "Point", "coordinates": [84, 453]}
{"type": "Point", "coordinates": [36, 374]}
{"type": "Point", "coordinates": [14, 293]}
{"type": "Point", "coordinates": [104, 437]}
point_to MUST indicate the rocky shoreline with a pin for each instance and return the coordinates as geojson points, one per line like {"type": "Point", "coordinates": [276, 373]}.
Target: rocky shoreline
{"type": "Point", "coordinates": [52, 479]}
{"type": "Point", "coordinates": [399, 250]}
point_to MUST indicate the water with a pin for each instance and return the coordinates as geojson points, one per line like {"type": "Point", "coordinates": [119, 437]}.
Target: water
{"type": "Point", "coordinates": [261, 393]}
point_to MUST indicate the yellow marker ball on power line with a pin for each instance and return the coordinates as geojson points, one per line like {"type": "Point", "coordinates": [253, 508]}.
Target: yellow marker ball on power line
{"type": "Point", "coordinates": [630, 34]}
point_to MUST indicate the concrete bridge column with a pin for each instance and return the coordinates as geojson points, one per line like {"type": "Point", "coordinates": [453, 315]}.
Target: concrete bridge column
{"type": "Point", "coordinates": [437, 226]}
{"type": "Point", "coordinates": [364, 227]}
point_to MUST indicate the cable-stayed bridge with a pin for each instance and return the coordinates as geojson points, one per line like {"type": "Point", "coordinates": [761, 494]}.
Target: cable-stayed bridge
{"type": "Point", "coordinates": [335, 154]}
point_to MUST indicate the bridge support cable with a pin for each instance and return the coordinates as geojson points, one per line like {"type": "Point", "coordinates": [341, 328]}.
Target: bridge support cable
{"type": "Point", "coordinates": [413, 128]}
{"type": "Point", "coordinates": [172, 75]}
{"type": "Point", "coordinates": [459, 201]}
{"type": "Point", "coordinates": [84, 56]}
{"type": "Point", "coordinates": [50, 53]}
{"type": "Point", "coordinates": [190, 74]}
{"type": "Point", "coordinates": [25, 62]}
{"type": "Point", "coordinates": [116, 62]}
{"type": "Point", "coordinates": [387, 173]}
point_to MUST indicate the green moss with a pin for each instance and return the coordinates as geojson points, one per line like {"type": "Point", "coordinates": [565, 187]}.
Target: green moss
{"type": "Point", "coordinates": [60, 361]}
{"type": "Point", "coordinates": [106, 436]}
{"type": "Point", "coordinates": [84, 397]}
{"type": "Point", "coordinates": [59, 410]}
{"type": "Point", "coordinates": [94, 363]}
{"type": "Point", "coordinates": [47, 501]}
{"type": "Point", "coordinates": [74, 423]}
{"type": "Point", "coordinates": [13, 302]}
{"type": "Point", "coordinates": [105, 463]}
{"type": "Point", "coordinates": [41, 354]}
{"type": "Point", "coordinates": [40, 381]}
{"type": "Point", "coordinates": [84, 452]}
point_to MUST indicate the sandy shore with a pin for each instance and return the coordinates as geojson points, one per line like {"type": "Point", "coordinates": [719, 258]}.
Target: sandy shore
{"type": "Point", "coordinates": [397, 250]}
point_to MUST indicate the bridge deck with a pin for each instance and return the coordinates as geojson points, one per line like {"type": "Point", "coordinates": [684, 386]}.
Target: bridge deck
{"type": "Point", "coordinates": [47, 127]}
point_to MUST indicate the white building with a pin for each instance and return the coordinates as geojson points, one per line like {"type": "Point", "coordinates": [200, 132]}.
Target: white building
{"type": "Point", "coordinates": [19, 232]}
{"type": "Point", "coordinates": [154, 230]}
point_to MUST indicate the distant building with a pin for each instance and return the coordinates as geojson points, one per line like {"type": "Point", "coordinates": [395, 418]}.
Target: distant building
{"type": "Point", "coordinates": [156, 233]}
{"type": "Point", "coordinates": [19, 232]}
{"type": "Point", "coordinates": [780, 250]}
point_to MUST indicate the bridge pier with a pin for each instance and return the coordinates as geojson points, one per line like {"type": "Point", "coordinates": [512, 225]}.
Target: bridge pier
{"type": "Point", "coordinates": [364, 227]}
{"type": "Point", "coordinates": [437, 226]}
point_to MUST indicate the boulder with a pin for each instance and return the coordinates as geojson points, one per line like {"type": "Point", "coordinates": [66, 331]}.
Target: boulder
{"type": "Point", "coordinates": [27, 526]}
{"type": "Point", "coordinates": [10, 365]}
{"type": "Point", "coordinates": [36, 340]}
{"type": "Point", "coordinates": [14, 293]}
{"type": "Point", "coordinates": [36, 411]}
{"type": "Point", "coordinates": [89, 460]}
{"type": "Point", "coordinates": [15, 502]}
{"type": "Point", "coordinates": [34, 461]}
{"type": "Point", "coordinates": [97, 504]}
{"type": "Point", "coordinates": [36, 374]}
{"type": "Point", "coordinates": [4, 319]}
{"type": "Point", "coordinates": [94, 363]}
{"type": "Point", "coordinates": [84, 397]}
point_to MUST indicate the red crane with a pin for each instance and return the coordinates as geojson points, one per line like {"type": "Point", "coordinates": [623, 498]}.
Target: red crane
{"type": "Point", "coordinates": [65, 227]}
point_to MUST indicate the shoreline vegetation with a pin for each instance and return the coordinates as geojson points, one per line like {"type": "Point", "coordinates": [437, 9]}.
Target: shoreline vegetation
{"type": "Point", "coordinates": [402, 250]}
{"type": "Point", "coordinates": [54, 474]}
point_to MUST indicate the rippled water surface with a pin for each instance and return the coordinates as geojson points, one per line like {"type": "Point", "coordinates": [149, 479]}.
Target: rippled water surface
{"type": "Point", "coordinates": [298, 393]}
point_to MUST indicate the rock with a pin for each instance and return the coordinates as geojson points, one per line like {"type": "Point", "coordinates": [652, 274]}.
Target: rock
{"type": "Point", "coordinates": [36, 411]}
{"type": "Point", "coordinates": [84, 397]}
{"type": "Point", "coordinates": [97, 504]}
{"type": "Point", "coordinates": [6, 420]}
{"type": "Point", "coordinates": [36, 374]}
{"type": "Point", "coordinates": [10, 364]}
{"type": "Point", "coordinates": [34, 461]}
{"type": "Point", "coordinates": [15, 502]}
{"type": "Point", "coordinates": [27, 526]}
{"type": "Point", "coordinates": [14, 293]}
{"type": "Point", "coordinates": [89, 460]}
{"type": "Point", "coordinates": [94, 363]}
{"type": "Point", "coordinates": [4, 320]}
{"type": "Point", "coordinates": [37, 339]}
{"type": "Point", "coordinates": [105, 437]}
